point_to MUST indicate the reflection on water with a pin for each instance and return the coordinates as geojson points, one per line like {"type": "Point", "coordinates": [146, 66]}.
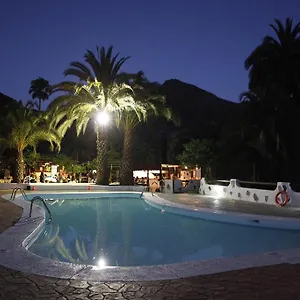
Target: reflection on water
{"type": "Point", "coordinates": [127, 232]}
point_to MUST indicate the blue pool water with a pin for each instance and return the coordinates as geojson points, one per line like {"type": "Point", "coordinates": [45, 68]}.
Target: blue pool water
{"type": "Point", "coordinates": [129, 232]}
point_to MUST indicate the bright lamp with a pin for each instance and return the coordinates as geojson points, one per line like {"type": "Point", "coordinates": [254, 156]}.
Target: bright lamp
{"type": "Point", "coordinates": [102, 117]}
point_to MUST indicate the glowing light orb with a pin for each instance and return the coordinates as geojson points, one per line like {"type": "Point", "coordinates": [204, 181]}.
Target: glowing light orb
{"type": "Point", "coordinates": [101, 263]}
{"type": "Point", "coordinates": [102, 118]}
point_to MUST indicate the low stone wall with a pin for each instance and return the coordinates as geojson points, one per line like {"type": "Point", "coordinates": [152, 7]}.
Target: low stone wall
{"type": "Point", "coordinates": [177, 186]}
{"type": "Point", "coordinates": [234, 191]}
{"type": "Point", "coordinates": [69, 186]}
{"type": "Point", "coordinates": [11, 186]}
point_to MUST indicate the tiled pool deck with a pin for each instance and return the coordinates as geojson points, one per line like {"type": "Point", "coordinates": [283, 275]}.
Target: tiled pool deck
{"type": "Point", "coordinates": [238, 206]}
{"type": "Point", "coordinates": [271, 282]}
{"type": "Point", "coordinates": [274, 282]}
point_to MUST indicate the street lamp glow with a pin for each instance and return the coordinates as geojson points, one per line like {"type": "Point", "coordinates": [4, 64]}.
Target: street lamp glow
{"type": "Point", "coordinates": [101, 263]}
{"type": "Point", "coordinates": [102, 117]}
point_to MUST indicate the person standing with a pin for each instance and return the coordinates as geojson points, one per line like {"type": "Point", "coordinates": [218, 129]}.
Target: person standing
{"type": "Point", "coordinates": [42, 177]}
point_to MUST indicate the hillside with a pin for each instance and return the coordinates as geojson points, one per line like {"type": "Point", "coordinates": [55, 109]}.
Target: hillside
{"type": "Point", "coordinates": [5, 100]}
{"type": "Point", "coordinates": [202, 114]}
{"type": "Point", "coordinates": [197, 108]}
{"type": "Point", "coordinates": [6, 105]}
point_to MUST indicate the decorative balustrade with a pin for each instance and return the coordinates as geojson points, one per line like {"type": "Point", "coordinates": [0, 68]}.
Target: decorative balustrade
{"type": "Point", "coordinates": [249, 191]}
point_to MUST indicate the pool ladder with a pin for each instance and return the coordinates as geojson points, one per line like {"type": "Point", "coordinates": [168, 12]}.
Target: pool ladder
{"type": "Point", "coordinates": [144, 190]}
{"type": "Point", "coordinates": [13, 196]}
{"type": "Point", "coordinates": [14, 193]}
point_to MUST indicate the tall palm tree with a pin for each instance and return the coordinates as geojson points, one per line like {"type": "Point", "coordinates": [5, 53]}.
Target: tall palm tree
{"type": "Point", "coordinates": [275, 63]}
{"type": "Point", "coordinates": [98, 81]}
{"type": "Point", "coordinates": [262, 129]}
{"type": "Point", "coordinates": [148, 102]}
{"type": "Point", "coordinates": [102, 66]}
{"type": "Point", "coordinates": [84, 105]}
{"type": "Point", "coordinates": [274, 67]}
{"type": "Point", "coordinates": [27, 129]}
{"type": "Point", "coordinates": [39, 89]}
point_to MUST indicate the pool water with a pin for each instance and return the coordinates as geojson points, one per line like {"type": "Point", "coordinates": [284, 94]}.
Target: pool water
{"type": "Point", "coordinates": [129, 232]}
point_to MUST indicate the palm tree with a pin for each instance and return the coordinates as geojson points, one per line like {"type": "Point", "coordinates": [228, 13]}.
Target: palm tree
{"type": "Point", "coordinates": [262, 129]}
{"type": "Point", "coordinates": [275, 63]}
{"type": "Point", "coordinates": [274, 69]}
{"type": "Point", "coordinates": [102, 66]}
{"type": "Point", "coordinates": [98, 82]}
{"type": "Point", "coordinates": [148, 102]}
{"type": "Point", "coordinates": [40, 89]}
{"type": "Point", "coordinates": [84, 106]}
{"type": "Point", "coordinates": [27, 129]}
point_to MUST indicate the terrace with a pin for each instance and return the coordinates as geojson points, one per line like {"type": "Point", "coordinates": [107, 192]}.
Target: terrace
{"type": "Point", "coordinates": [250, 283]}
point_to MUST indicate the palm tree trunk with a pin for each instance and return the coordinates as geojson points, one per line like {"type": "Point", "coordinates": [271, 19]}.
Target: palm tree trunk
{"type": "Point", "coordinates": [20, 166]}
{"type": "Point", "coordinates": [102, 166]}
{"type": "Point", "coordinates": [40, 104]}
{"type": "Point", "coordinates": [126, 172]}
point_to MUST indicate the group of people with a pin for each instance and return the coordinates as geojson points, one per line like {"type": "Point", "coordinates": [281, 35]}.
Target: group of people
{"type": "Point", "coordinates": [141, 181]}
{"type": "Point", "coordinates": [59, 177]}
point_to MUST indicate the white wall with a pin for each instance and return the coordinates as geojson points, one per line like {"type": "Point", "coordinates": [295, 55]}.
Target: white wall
{"type": "Point", "coordinates": [11, 186]}
{"type": "Point", "coordinates": [175, 186]}
{"type": "Point", "coordinates": [236, 192]}
{"type": "Point", "coordinates": [70, 186]}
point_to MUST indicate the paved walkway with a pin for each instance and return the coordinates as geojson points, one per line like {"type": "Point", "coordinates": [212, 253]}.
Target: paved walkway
{"type": "Point", "coordinates": [276, 283]}
{"type": "Point", "coordinates": [197, 200]}
{"type": "Point", "coordinates": [9, 213]}
{"type": "Point", "coordinates": [281, 282]}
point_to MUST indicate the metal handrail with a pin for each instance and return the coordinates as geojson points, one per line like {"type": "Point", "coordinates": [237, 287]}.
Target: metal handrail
{"type": "Point", "coordinates": [13, 196]}
{"type": "Point", "coordinates": [242, 181]}
{"type": "Point", "coordinates": [144, 190]}
{"type": "Point", "coordinates": [43, 201]}
{"type": "Point", "coordinates": [14, 193]}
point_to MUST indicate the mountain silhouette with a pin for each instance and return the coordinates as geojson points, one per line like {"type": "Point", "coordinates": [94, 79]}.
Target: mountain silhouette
{"type": "Point", "coordinates": [198, 109]}
{"type": "Point", "coordinates": [201, 114]}
{"type": "Point", "coordinates": [5, 100]}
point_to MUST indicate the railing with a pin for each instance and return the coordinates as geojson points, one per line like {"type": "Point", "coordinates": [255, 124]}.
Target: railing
{"type": "Point", "coordinates": [246, 184]}
{"type": "Point", "coordinates": [145, 205]}
{"type": "Point", "coordinates": [45, 205]}
{"type": "Point", "coordinates": [13, 196]}
{"type": "Point", "coordinates": [14, 193]}
{"type": "Point", "coordinates": [142, 193]}
{"type": "Point", "coordinates": [144, 190]}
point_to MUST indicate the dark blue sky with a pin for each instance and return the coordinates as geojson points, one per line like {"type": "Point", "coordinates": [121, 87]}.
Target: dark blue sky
{"type": "Point", "coordinates": [202, 42]}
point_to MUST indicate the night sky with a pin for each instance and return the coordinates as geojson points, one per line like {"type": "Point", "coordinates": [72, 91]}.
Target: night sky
{"type": "Point", "coordinates": [202, 42]}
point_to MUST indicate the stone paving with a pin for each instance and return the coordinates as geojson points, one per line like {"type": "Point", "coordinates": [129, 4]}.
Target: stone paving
{"type": "Point", "coordinates": [9, 213]}
{"type": "Point", "coordinates": [239, 206]}
{"type": "Point", "coordinates": [276, 283]}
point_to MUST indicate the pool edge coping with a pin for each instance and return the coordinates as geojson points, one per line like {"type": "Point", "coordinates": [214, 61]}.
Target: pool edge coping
{"type": "Point", "coordinates": [210, 213]}
{"type": "Point", "coordinates": [14, 255]}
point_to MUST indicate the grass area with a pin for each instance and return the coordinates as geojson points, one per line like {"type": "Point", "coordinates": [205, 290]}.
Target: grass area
{"type": "Point", "coordinates": [9, 212]}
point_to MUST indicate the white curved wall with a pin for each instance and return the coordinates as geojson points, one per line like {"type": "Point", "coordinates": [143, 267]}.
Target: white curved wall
{"type": "Point", "coordinates": [236, 192]}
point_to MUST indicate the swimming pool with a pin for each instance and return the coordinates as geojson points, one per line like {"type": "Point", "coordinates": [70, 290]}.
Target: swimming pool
{"type": "Point", "coordinates": [124, 230]}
